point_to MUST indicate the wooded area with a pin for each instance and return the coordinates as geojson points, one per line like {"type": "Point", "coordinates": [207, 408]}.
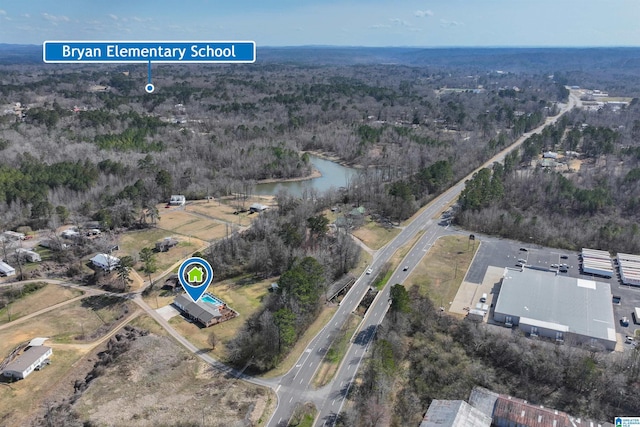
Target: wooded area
{"type": "Point", "coordinates": [593, 206]}
{"type": "Point", "coordinates": [216, 131]}
{"type": "Point", "coordinates": [421, 354]}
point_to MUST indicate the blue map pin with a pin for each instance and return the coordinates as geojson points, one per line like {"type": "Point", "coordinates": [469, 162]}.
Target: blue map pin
{"type": "Point", "coordinates": [195, 275]}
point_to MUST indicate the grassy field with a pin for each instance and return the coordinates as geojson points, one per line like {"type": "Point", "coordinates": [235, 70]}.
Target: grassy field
{"type": "Point", "coordinates": [45, 297]}
{"type": "Point", "coordinates": [245, 299]}
{"type": "Point", "coordinates": [303, 415]}
{"type": "Point", "coordinates": [440, 273]}
{"type": "Point", "coordinates": [77, 322]}
{"type": "Point", "coordinates": [374, 235]}
{"type": "Point", "coordinates": [19, 399]}
{"type": "Point", "coordinates": [336, 352]}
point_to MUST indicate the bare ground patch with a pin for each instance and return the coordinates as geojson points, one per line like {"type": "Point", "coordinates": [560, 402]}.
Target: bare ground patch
{"type": "Point", "coordinates": [155, 382]}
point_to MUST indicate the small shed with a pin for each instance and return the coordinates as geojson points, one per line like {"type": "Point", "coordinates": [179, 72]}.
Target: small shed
{"type": "Point", "coordinates": [177, 200]}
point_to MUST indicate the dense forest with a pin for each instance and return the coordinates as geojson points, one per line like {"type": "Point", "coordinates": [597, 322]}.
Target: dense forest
{"type": "Point", "coordinates": [421, 354]}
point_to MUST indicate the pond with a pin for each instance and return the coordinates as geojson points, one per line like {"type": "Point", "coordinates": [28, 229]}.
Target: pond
{"type": "Point", "coordinates": [333, 175]}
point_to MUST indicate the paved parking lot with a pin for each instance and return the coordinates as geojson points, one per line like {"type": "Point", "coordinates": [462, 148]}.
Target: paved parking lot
{"type": "Point", "coordinates": [506, 253]}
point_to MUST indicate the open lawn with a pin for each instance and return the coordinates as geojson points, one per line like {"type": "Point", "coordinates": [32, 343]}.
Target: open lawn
{"type": "Point", "coordinates": [132, 243]}
{"type": "Point", "coordinates": [19, 399]}
{"type": "Point", "coordinates": [223, 209]}
{"type": "Point", "coordinates": [374, 235]}
{"type": "Point", "coordinates": [441, 272]}
{"type": "Point", "coordinates": [42, 298]}
{"type": "Point", "coordinates": [245, 299]}
{"type": "Point", "coordinates": [194, 220]}
{"type": "Point", "coordinates": [80, 321]}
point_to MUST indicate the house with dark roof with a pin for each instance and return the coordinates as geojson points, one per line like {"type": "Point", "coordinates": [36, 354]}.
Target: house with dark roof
{"type": "Point", "coordinates": [203, 312]}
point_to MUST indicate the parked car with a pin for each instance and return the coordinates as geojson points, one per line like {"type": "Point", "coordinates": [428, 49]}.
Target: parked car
{"type": "Point", "coordinates": [405, 268]}
{"type": "Point", "coordinates": [523, 249]}
{"type": "Point", "coordinates": [564, 257]}
{"type": "Point", "coordinates": [369, 271]}
{"type": "Point", "coordinates": [624, 321]}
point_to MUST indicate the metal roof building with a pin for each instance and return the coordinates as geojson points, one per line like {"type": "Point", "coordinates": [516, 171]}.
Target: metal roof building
{"type": "Point", "coordinates": [27, 362]}
{"type": "Point", "coordinates": [454, 413]}
{"type": "Point", "coordinates": [557, 307]}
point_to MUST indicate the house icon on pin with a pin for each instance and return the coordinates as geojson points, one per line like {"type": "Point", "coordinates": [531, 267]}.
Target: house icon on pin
{"type": "Point", "coordinates": [195, 275]}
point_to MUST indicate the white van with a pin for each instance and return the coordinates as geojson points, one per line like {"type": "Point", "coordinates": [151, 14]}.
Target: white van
{"type": "Point", "coordinates": [483, 298]}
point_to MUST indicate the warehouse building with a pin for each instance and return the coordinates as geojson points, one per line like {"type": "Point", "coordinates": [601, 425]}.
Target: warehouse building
{"type": "Point", "coordinates": [561, 308]}
{"type": "Point", "coordinates": [596, 262]}
{"type": "Point", "coordinates": [454, 413]}
{"type": "Point", "coordinates": [629, 266]}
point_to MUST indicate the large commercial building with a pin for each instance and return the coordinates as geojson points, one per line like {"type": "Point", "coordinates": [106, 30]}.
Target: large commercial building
{"type": "Point", "coordinates": [558, 307]}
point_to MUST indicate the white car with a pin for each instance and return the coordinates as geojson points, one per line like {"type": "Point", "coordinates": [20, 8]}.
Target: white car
{"type": "Point", "coordinates": [369, 271]}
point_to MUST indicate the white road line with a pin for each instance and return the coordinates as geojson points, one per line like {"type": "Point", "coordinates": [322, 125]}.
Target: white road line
{"type": "Point", "coordinates": [291, 400]}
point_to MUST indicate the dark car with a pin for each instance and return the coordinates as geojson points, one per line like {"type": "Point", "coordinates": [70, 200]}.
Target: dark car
{"type": "Point", "coordinates": [564, 257]}
{"type": "Point", "coordinates": [405, 268]}
{"type": "Point", "coordinates": [524, 249]}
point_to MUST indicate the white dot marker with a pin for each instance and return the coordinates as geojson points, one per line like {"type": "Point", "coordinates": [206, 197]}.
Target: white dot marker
{"type": "Point", "coordinates": [149, 87]}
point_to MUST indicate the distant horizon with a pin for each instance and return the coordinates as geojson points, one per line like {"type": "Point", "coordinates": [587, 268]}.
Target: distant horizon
{"type": "Point", "coordinates": [379, 47]}
{"type": "Point", "coordinates": [362, 23]}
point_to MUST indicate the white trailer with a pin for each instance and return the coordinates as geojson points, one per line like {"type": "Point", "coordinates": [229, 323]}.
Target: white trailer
{"type": "Point", "coordinates": [6, 269]}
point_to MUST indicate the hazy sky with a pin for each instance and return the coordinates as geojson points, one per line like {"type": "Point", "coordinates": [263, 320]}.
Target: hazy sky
{"type": "Point", "coordinates": [329, 22]}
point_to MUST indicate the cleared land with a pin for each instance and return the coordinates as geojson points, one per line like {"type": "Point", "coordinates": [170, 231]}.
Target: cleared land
{"type": "Point", "coordinates": [440, 273]}
{"type": "Point", "coordinates": [42, 298]}
{"type": "Point", "coordinates": [156, 382]}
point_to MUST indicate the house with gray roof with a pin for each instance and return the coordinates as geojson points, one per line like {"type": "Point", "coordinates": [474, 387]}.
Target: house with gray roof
{"type": "Point", "coordinates": [32, 359]}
